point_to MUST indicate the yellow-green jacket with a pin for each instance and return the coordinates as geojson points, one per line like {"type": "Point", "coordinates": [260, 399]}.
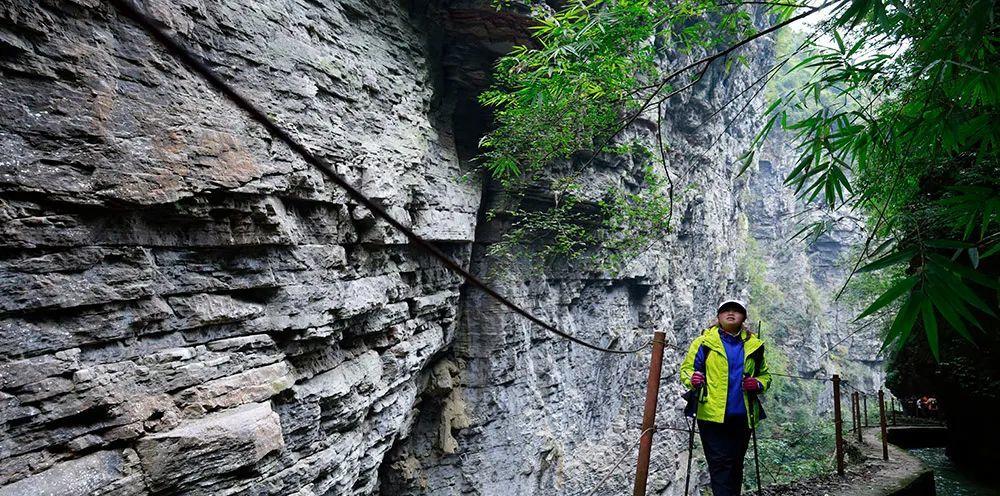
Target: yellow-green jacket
{"type": "Point", "coordinates": [712, 397]}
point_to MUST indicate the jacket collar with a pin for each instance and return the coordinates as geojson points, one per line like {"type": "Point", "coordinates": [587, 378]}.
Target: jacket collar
{"type": "Point", "coordinates": [712, 339]}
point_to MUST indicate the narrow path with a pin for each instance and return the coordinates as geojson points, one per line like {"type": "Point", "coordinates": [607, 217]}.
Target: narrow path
{"type": "Point", "coordinates": [901, 475]}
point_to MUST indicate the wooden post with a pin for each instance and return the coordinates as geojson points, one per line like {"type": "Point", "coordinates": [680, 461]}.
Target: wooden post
{"type": "Point", "coordinates": [881, 424]}
{"type": "Point", "coordinates": [854, 413]}
{"type": "Point", "coordinates": [649, 415]}
{"type": "Point", "coordinates": [857, 406]}
{"type": "Point", "coordinates": [864, 400]}
{"type": "Point", "coordinates": [838, 426]}
{"type": "Point", "coordinates": [892, 408]}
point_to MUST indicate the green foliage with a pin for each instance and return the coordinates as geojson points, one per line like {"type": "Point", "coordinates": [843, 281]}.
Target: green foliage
{"type": "Point", "coordinates": [794, 442]}
{"type": "Point", "coordinates": [557, 232]}
{"type": "Point", "coordinates": [776, 307]}
{"type": "Point", "coordinates": [592, 67]}
{"type": "Point", "coordinates": [766, 296]}
{"type": "Point", "coordinates": [608, 233]}
{"type": "Point", "coordinates": [899, 116]}
{"type": "Point", "coordinates": [633, 221]}
{"type": "Point", "coordinates": [553, 100]}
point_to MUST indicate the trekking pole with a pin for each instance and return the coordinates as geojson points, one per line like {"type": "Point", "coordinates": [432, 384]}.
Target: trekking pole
{"type": "Point", "coordinates": [687, 475]}
{"type": "Point", "coordinates": [753, 433]}
{"type": "Point", "coordinates": [693, 397]}
{"type": "Point", "coordinates": [753, 421]}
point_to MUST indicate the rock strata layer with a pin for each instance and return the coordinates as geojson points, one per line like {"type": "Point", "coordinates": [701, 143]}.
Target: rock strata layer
{"type": "Point", "coordinates": [185, 306]}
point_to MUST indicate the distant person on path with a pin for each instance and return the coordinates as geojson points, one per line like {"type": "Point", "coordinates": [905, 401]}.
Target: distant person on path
{"type": "Point", "coordinates": [726, 364]}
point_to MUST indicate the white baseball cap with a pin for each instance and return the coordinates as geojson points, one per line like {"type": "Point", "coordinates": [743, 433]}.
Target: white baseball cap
{"type": "Point", "coordinates": [742, 305]}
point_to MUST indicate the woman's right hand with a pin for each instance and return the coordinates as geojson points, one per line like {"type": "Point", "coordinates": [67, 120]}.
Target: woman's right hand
{"type": "Point", "coordinates": [697, 379]}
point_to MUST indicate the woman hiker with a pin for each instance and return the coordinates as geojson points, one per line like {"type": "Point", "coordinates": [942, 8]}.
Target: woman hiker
{"type": "Point", "coordinates": [726, 366]}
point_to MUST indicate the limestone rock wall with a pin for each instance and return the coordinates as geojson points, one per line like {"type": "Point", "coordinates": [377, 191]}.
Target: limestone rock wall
{"type": "Point", "coordinates": [803, 276]}
{"type": "Point", "coordinates": [543, 416]}
{"type": "Point", "coordinates": [534, 415]}
{"type": "Point", "coordinates": [186, 307]}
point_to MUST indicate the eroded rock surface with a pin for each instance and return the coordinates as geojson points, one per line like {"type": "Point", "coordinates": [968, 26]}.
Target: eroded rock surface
{"type": "Point", "coordinates": [186, 306]}
{"type": "Point", "coordinates": [543, 416]}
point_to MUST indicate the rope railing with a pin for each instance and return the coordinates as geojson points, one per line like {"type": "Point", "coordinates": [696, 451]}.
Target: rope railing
{"type": "Point", "coordinates": [804, 377]}
{"type": "Point", "coordinates": [621, 459]}
{"type": "Point", "coordinates": [196, 65]}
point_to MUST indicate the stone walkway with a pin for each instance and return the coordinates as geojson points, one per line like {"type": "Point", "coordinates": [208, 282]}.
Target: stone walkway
{"type": "Point", "coordinates": [901, 475]}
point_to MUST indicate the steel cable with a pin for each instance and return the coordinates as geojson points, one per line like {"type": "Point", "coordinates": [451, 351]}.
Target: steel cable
{"type": "Point", "coordinates": [801, 377]}
{"type": "Point", "coordinates": [619, 462]}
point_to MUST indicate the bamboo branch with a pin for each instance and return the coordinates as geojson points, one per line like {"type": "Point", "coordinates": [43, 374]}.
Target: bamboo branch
{"type": "Point", "coordinates": [707, 61]}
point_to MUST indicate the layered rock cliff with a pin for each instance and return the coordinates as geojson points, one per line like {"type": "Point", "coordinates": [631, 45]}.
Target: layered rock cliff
{"type": "Point", "coordinates": [187, 307]}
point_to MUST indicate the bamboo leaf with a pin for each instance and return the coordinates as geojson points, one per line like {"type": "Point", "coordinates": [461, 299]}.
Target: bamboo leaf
{"type": "Point", "coordinates": [897, 290]}
{"type": "Point", "coordinates": [958, 288]}
{"type": "Point", "coordinates": [947, 243]}
{"type": "Point", "coordinates": [966, 272]}
{"type": "Point", "coordinates": [840, 41]}
{"type": "Point", "coordinates": [952, 301]}
{"type": "Point", "coordinates": [940, 298]}
{"type": "Point", "coordinates": [903, 323]}
{"type": "Point", "coordinates": [931, 328]}
{"type": "Point", "coordinates": [747, 160]}
{"type": "Point", "coordinates": [992, 251]}
{"type": "Point", "coordinates": [891, 259]}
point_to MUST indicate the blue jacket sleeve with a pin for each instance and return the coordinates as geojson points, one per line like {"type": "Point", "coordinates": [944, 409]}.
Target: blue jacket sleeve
{"type": "Point", "coordinates": [699, 360]}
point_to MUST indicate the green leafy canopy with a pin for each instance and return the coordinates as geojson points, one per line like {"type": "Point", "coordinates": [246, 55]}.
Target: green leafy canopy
{"type": "Point", "coordinates": [592, 67]}
{"type": "Point", "coordinates": [897, 115]}
{"type": "Point", "coordinates": [893, 108]}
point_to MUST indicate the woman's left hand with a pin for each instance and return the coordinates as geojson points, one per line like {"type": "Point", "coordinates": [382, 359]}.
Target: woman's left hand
{"type": "Point", "coordinates": [752, 384]}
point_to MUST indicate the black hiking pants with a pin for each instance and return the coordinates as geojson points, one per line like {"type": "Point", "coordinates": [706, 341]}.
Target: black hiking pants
{"type": "Point", "coordinates": [725, 446]}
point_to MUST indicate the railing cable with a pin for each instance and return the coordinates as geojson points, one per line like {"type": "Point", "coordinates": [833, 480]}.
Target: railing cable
{"type": "Point", "coordinates": [823, 379]}
{"type": "Point", "coordinates": [198, 66]}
